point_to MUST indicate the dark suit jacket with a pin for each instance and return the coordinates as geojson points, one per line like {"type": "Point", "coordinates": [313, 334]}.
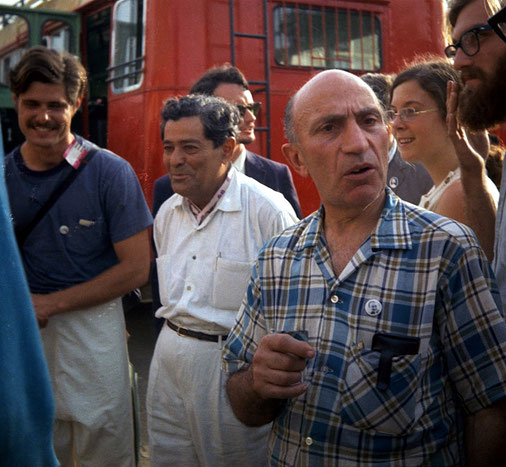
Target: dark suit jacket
{"type": "Point", "coordinates": [270, 173]}
{"type": "Point", "coordinates": [408, 181]}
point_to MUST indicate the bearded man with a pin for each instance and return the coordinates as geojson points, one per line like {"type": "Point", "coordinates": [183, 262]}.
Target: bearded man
{"type": "Point", "coordinates": [479, 55]}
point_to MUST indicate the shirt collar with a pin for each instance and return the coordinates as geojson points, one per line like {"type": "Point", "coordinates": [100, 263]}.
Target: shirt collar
{"type": "Point", "coordinates": [391, 231]}
{"type": "Point", "coordinates": [201, 214]}
{"type": "Point", "coordinates": [240, 162]}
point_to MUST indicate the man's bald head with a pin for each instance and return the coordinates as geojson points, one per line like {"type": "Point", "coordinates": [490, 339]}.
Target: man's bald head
{"type": "Point", "coordinates": [334, 81]}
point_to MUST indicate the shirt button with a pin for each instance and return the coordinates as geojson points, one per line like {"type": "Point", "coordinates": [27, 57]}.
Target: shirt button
{"type": "Point", "coordinates": [334, 299]}
{"type": "Point", "coordinates": [194, 257]}
{"type": "Point", "coordinates": [308, 441]}
{"type": "Point", "coordinates": [64, 230]}
{"type": "Point", "coordinates": [188, 287]}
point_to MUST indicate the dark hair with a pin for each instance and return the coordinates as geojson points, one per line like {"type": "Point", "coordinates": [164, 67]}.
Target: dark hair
{"type": "Point", "coordinates": [218, 117]}
{"type": "Point", "coordinates": [456, 6]}
{"type": "Point", "coordinates": [432, 75]}
{"type": "Point", "coordinates": [226, 73]}
{"type": "Point", "coordinates": [51, 67]}
{"type": "Point", "coordinates": [380, 83]}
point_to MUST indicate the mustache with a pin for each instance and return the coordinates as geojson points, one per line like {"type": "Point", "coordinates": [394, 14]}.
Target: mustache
{"type": "Point", "coordinates": [472, 73]}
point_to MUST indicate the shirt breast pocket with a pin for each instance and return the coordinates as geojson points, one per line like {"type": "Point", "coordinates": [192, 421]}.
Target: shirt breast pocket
{"type": "Point", "coordinates": [85, 237]}
{"type": "Point", "coordinates": [230, 283]}
{"type": "Point", "coordinates": [381, 389]}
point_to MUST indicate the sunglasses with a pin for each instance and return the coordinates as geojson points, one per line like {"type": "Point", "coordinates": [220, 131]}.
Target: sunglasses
{"type": "Point", "coordinates": [498, 23]}
{"type": "Point", "coordinates": [254, 108]}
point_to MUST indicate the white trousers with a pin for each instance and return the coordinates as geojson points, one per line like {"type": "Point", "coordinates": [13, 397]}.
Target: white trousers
{"type": "Point", "coordinates": [190, 421]}
{"type": "Point", "coordinates": [87, 358]}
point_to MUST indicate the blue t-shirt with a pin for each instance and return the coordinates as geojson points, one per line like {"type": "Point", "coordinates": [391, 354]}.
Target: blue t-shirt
{"type": "Point", "coordinates": [26, 399]}
{"type": "Point", "coordinates": [73, 242]}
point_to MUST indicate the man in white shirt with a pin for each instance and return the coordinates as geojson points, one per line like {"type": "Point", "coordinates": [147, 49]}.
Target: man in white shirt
{"type": "Point", "coordinates": [207, 237]}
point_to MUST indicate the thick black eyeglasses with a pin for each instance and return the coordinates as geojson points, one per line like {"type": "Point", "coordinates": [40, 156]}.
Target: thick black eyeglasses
{"type": "Point", "coordinates": [254, 108]}
{"type": "Point", "coordinates": [469, 42]}
{"type": "Point", "coordinates": [498, 23]}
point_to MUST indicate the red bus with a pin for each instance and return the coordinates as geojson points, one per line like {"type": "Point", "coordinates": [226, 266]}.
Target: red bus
{"type": "Point", "coordinates": [140, 52]}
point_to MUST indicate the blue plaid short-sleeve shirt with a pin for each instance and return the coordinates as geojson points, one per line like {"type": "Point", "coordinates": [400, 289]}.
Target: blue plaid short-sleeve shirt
{"type": "Point", "coordinates": [409, 339]}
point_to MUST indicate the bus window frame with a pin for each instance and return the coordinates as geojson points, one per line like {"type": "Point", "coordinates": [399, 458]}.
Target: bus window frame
{"type": "Point", "coordinates": [376, 22]}
{"type": "Point", "coordinates": [138, 61]}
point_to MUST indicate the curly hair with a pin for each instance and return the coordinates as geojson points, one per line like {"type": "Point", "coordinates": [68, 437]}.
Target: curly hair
{"type": "Point", "coordinates": [218, 117]}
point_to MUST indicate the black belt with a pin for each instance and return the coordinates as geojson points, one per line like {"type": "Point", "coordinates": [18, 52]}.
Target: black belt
{"type": "Point", "coordinates": [195, 334]}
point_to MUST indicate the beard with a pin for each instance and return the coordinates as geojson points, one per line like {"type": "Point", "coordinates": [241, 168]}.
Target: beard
{"type": "Point", "coordinates": [484, 107]}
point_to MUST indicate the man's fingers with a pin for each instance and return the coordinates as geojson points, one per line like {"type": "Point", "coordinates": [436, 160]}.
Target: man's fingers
{"type": "Point", "coordinates": [287, 344]}
{"type": "Point", "coordinates": [272, 391]}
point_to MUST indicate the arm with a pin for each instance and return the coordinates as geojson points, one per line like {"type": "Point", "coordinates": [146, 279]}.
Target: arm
{"type": "Point", "coordinates": [485, 432]}
{"type": "Point", "coordinates": [258, 393]}
{"type": "Point", "coordinates": [479, 204]}
{"type": "Point", "coordinates": [131, 271]}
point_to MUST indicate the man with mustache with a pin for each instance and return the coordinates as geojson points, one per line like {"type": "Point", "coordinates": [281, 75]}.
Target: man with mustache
{"type": "Point", "coordinates": [370, 332]}
{"type": "Point", "coordinates": [480, 56]}
{"type": "Point", "coordinates": [207, 236]}
{"type": "Point", "coordinates": [80, 255]}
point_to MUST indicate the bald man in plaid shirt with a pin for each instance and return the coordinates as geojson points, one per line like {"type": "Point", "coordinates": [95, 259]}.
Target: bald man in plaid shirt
{"type": "Point", "coordinates": [371, 332]}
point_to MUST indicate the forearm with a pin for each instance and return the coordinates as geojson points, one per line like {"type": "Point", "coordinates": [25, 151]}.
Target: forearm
{"type": "Point", "coordinates": [248, 406]}
{"type": "Point", "coordinates": [480, 207]}
{"type": "Point", "coordinates": [485, 432]}
{"type": "Point", "coordinates": [111, 284]}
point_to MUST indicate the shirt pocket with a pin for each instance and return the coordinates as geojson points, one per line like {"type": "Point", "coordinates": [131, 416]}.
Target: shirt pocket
{"type": "Point", "coordinates": [85, 237]}
{"type": "Point", "coordinates": [230, 283]}
{"type": "Point", "coordinates": [392, 410]}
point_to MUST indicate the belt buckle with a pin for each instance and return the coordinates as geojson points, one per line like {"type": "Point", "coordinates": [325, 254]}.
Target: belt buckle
{"type": "Point", "coordinates": [178, 333]}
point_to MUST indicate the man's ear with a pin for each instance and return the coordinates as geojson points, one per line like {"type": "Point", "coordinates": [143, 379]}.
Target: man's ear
{"type": "Point", "coordinates": [77, 105]}
{"type": "Point", "coordinates": [15, 99]}
{"type": "Point", "coordinates": [293, 155]}
{"type": "Point", "coordinates": [228, 149]}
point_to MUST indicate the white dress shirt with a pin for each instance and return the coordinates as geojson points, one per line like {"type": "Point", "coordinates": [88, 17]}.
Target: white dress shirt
{"type": "Point", "coordinates": [204, 269]}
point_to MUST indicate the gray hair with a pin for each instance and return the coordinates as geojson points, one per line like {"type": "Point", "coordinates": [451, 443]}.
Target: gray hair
{"type": "Point", "coordinates": [218, 117]}
{"type": "Point", "coordinates": [289, 125]}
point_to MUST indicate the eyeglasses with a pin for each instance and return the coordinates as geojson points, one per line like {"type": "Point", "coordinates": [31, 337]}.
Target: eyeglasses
{"type": "Point", "coordinates": [469, 42]}
{"type": "Point", "coordinates": [254, 108]}
{"type": "Point", "coordinates": [498, 23]}
{"type": "Point", "coordinates": [406, 114]}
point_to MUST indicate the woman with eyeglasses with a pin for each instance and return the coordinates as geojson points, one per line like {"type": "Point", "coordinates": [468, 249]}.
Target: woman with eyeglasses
{"type": "Point", "coordinates": [418, 120]}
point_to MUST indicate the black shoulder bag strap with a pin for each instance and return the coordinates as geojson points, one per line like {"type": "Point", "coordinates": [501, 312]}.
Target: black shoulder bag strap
{"type": "Point", "coordinates": [22, 234]}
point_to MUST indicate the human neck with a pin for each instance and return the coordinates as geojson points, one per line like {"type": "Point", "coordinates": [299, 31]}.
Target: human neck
{"type": "Point", "coordinates": [346, 231]}
{"type": "Point", "coordinates": [441, 164]}
{"type": "Point", "coordinates": [237, 151]}
{"type": "Point", "coordinates": [41, 158]}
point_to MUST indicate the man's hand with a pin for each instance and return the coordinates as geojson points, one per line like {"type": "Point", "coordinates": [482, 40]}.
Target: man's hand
{"type": "Point", "coordinates": [472, 149]}
{"type": "Point", "coordinates": [277, 366]}
{"type": "Point", "coordinates": [42, 305]}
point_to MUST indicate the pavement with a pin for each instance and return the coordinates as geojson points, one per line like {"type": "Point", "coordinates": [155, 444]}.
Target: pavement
{"type": "Point", "coordinates": [141, 343]}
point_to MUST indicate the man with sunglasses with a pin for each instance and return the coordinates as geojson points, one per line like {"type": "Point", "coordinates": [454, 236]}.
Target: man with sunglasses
{"type": "Point", "coordinates": [229, 83]}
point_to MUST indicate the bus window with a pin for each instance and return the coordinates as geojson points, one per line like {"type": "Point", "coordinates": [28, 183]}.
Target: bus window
{"type": "Point", "coordinates": [57, 35]}
{"type": "Point", "coordinates": [128, 46]}
{"type": "Point", "coordinates": [327, 37]}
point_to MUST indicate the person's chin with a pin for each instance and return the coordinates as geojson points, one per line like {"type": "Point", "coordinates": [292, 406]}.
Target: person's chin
{"type": "Point", "coordinates": [246, 139]}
